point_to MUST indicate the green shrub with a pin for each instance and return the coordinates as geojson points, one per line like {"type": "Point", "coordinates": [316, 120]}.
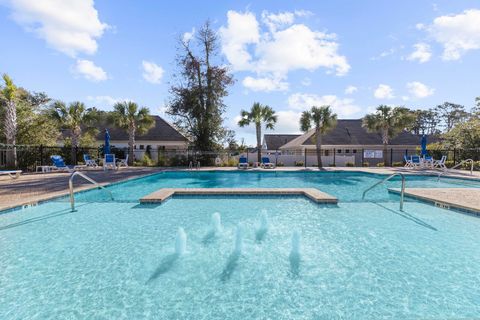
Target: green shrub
{"type": "Point", "coordinates": [349, 164]}
{"type": "Point", "coordinates": [147, 161]}
{"type": "Point", "coordinates": [280, 164]}
{"type": "Point", "coordinates": [449, 163]}
{"type": "Point", "coordinates": [299, 163]}
{"type": "Point", "coordinates": [380, 164]}
{"type": "Point", "coordinates": [366, 164]}
{"type": "Point", "coordinates": [397, 164]}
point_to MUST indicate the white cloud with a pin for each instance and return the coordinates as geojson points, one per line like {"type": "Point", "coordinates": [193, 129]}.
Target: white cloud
{"type": "Point", "coordinates": [351, 90]}
{"type": "Point", "coordinates": [419, 90]}
{"type": "Point", "coordinates": [105, 102]}
{"type": "Point", "coordinates": [187, 36]}
{"type": "Point", "coordinates": [152, 72]}
{"type": "Point", "coordinates": [343, 107]}
{"type": "Point", "coordinates": [288, 121]}
{"type": "Point", "coordinates": [264, 84]}
{"type": "Point", "coordinates": [89, 70]}
{"type": "Point", "coordinates": [281, 48]}
{"type": "Point", "coordinates": [242, 30]}
{"type": "Point", "coordinates": [422, 53]}
{"type": "Point", "coordinates": [383, 92]}
{"type": "Point", "coordinates": [457, 33]}
{"type": "Point", "coordinates": [70, 27]}
{"type": "Point", "coordinates": [306, 82]}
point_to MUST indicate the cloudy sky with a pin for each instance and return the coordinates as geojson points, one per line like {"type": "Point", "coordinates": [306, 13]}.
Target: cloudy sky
{"type": "Point", "coordinates": [350, 54]}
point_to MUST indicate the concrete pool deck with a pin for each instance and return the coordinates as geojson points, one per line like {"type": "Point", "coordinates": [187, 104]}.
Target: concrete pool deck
{"type": "Point", "coordinates": [313, 194]}
{"type": "Point", "coordinates": [463, 199]}
{"type": "Point", "coordinates": [34, 188]}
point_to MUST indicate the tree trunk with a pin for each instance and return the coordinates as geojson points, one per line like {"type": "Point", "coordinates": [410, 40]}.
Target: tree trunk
{"type": "Point", "coordinates": [131, 144]}
{"type": "Point", "coordinates": [385, 149]}
{"type": "Point", "coordinates": [258, 127]}
{"type": "Point", "coordinates": [318, 143]}
{"type": "Point", "coordinates": [11, 134]}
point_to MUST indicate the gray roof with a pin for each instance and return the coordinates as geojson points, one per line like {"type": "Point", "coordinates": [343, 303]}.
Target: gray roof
{"type": "Point", "coordinates": [351, 132]}
{"type": "Point", "coordinates": [162, 131]}
{"type": "Point", "coordinates": [275, 141]}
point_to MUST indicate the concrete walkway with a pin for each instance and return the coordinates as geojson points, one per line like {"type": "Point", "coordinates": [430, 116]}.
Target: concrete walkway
{"type": "Point", "coordinates": [31, 188]}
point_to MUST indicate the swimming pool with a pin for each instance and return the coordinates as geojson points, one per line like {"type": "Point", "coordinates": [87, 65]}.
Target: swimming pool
{"type": "Point", "coordinates": [116, 260]}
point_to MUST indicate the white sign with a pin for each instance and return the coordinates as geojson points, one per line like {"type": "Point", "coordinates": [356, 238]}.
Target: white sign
{"type": "Point", "coordinates": [373, 154]}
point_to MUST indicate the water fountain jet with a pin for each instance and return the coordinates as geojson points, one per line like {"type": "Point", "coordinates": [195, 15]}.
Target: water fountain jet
{"type": "Point", "coordinates": [216, 223]}
{"type": "Point", "coordinates": [181, 242]}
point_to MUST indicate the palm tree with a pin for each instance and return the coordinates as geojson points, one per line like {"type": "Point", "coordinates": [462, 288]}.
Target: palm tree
{"type": "Point", "coordinates": [10, 122]}
{"type": "Point", "coordinates": [324, 120]}
{"type": "Point", "coordinates": [129, 116]}
{"type": "Point", "coordinates": [258, 114]}
{"type": "Point", "coordinates": [389, 122]}
{"type": "Point", "coordinates": [75, 118]}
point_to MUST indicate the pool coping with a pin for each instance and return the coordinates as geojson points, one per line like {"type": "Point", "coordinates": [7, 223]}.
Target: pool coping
{"type": "Point", "coordinates": [162, 195]}
{"type": "Point", "coordinates": [416, 193]}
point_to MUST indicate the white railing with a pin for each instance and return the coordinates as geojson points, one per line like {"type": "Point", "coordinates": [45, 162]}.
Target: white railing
{"type": "Point", "coordinates": [402, 191]}
{"type": "Point", "coordinates": [70, 186]}
{"type": "Point", "coordinates": [456, 166]}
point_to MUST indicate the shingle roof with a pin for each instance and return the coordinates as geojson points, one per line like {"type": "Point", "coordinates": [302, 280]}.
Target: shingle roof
{"type": "Point", "coordinates": [162, 131]}
{"type": "Point", "coordinates": [275, 141]}
{"type": "Point", "coordinates": [351, 132]}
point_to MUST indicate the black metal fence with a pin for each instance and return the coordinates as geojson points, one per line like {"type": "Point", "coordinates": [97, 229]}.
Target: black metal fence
{"type": "Point", "coordinates": [31, 157]}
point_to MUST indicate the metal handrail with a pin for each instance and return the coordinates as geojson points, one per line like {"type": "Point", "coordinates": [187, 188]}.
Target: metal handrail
{"type": "Point", "coordinates": [402, 192]}
{"type": "Point", "coordinates": [456, 166]}
{"type": "Point", "coordinates": [70, 186]}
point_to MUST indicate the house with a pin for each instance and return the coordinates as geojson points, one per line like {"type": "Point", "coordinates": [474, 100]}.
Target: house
{"type": "Point", "coordinates": [162, 136]}
{"type": "Point", "coordinates": [348, 142]}
{"type": "Point", "coordinates": [273, 142]}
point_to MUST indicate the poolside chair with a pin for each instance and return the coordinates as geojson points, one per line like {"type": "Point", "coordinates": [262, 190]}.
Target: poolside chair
{"type": "Point", "coordinates": [89, 162]}
{"type": "Point", "coordinates": [122, 162]}
{"type": "Point", "coordinates": [408, 162]}
{"type": "Point", "coordinates": [266, 164]}
{"type": "Point", "coordinates": [14, 174]}
{"type": "Point", "coordinates": [109, 162]}
{"type": "Point", "coordinates": [440, 163]}
{"type": "Point", "coordinates": [428, 162]}
{"type": "Point", "coordinates": [416, 162]}
{"type": "Point", "coordinates": [59, 164]}
{"type": "Point", "coordinates": [242, 163]}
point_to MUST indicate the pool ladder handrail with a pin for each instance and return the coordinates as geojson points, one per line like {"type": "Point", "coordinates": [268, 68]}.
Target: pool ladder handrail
{"type": "Point", "coordinates": [70, 186]}
{"type": "Point", "coordinates": [456, 166]}
{"type": "Point", "coordinates": [402, 191]}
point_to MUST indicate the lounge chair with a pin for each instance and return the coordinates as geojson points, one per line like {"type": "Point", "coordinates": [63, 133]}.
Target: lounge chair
{"type": "Point", "coordinates": [109, 162]}
{"type": "Point", "coordinates": [440, 163]}
{"type": "Point", "coordinates": [428, 162]}
{"type": "Point", "coordinates": [266, 164]}
{"type": "Point", "coordinates": [242, 163]}
{"type": "Point", "coordinates": [416, 162]}
{"type": "Point", "coordinates": [89, 162]}
{"type": "Point", "coordinates": [14, 174]}
{"type": "Point", "coordinates": [122, 162]}
{"type": "Point", "coordinates": [59, 164]}
{"type": "Point", "coordinates": [408, 162]}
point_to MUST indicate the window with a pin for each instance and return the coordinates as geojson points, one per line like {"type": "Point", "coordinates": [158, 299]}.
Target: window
{"type": "Point", "coordinates": [339, 150]}
{"type": "Point", "coordinates": [142, 147]}
{"type": "Point", "coordinates": [327, 153]}
{"type": "Point", "coordinates": [347, 150]}
{"type": "Point", "coordinates": [354, 151]}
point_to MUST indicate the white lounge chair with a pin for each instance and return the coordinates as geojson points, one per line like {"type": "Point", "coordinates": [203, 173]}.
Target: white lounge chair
{"type": "Point", "coordinates": [89, 162]}
{"type": "Point", "coordinates": [123, 162]}
{"type": "Point", "coordinates": [243, 163]}
{"type": "Point", "coordinates": [109, 162]}
{"type": "Point", "coordinates": [266, 164]}
{"type": "Point", "coordinates": [14, 174]}
{"type": "Point", "coordinates": [408, 162]}
{"type": "Point", "coordinates": [440, 163]}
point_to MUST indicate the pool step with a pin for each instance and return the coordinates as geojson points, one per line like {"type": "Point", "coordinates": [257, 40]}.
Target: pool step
{"type": "Point", "coordinates": [313, 194]}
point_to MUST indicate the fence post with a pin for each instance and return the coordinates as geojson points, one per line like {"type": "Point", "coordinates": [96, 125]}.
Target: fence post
{"type": "Point", "coordinates": [454, 156]}
{"type": "Point", "coordinates": [391, 157]}
{"type": "Point", "coordinates": [305, 155]}
{"type": "Point", "coordinates": [334, 157]}
{"type": "Point", "coordinates": [41, 155]}
{"type": "Point", "coordinates": [363, 157]}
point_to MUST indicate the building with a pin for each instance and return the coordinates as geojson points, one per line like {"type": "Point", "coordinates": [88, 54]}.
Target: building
{"type": "Point", "coordinates": [347, 143]}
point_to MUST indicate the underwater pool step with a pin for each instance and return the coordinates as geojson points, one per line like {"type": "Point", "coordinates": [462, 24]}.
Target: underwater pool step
{"type": "Point", "coordinates": [313, 194]}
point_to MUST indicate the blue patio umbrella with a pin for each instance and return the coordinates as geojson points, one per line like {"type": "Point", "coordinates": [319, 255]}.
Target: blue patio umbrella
{"type": "Point", "coordinates": [423, 144]}
{"type": "Point", "coordinates": [106, 145]}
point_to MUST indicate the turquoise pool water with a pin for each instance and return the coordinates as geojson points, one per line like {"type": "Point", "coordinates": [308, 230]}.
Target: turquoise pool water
{"type": "Point", "coordinates": [362, 260]}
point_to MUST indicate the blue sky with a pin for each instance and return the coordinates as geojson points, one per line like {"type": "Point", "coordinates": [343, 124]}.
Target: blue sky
{"type": "Point", "coordinates": [353, 55]}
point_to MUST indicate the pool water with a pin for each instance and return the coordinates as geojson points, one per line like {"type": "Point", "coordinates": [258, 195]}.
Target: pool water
{"type": "Point", "coordinates": [115, 260]}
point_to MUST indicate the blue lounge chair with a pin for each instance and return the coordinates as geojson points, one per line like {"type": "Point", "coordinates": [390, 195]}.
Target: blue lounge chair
{"type": "Point", "coordinates": [243, 163]}
{"type": "Point", "coordinates": [59, 164]}
{"type": "Point", "coordinates": [408, 161]}
{"type": "Point", "coordinates": [109, 162]}
{"type": "Point", "coordinates": [416, 162]}
{"type": "Point", "coordinates": [89, 162]}
{"type": "Point", "coordinates": [266, 164]}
